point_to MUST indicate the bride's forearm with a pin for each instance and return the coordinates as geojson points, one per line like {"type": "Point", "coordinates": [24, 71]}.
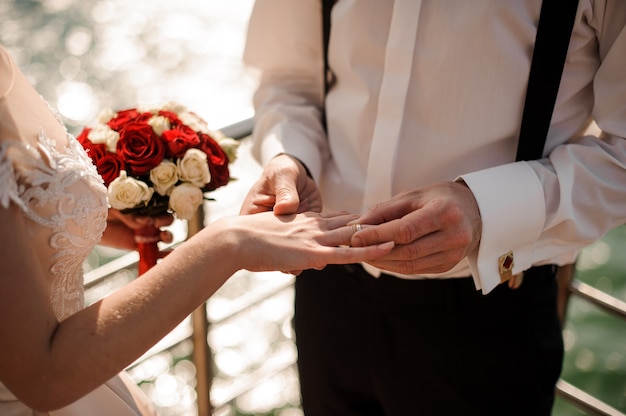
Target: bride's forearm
{"type": "Point", "coordinates": [95, 344]}
{"type": "Point", "coordinates": [52, 364]}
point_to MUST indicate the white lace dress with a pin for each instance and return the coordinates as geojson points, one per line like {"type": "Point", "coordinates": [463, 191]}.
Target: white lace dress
{"type": "Point", "coordinates": [46, 172]}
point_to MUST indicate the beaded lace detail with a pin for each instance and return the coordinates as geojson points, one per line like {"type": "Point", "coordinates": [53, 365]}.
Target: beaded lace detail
{"type": "Point", "coordinates": [62, 193]}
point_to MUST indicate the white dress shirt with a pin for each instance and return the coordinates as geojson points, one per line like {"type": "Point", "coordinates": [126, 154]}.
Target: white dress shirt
{"type": "Point", "coordinates": [432, 90]}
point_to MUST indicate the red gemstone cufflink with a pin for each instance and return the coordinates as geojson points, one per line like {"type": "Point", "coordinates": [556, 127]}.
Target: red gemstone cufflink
{"type": "Point", "coordinates": [507, 262]}
{"type": "Point", "coordinates": [506, 266]}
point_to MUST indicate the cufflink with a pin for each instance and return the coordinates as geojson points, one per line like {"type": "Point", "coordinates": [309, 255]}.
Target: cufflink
{"type": "Point", "coordinates": [506, 271]}
{"type": "Point", "coordinates": [506, 266]}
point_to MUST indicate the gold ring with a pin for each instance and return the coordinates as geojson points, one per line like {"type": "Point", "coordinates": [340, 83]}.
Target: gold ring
{"type": "Point", "coordinates": [356, 228]}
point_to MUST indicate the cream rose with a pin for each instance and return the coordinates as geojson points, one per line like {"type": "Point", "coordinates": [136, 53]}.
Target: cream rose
{"type": "Point", "coordinates": [174, 107]}
{"type": "Point", "coordinates": [164, 177]}
{"type": "Point", "coordinates": [185, 200]}
{"type": "Point", "coordinates": [229, 146]}
{"type": "Point", "coordinates": [159, 124]}
{"type": "Point", "coordinates": [104, 134]}
{"type": "Point", "coordinates": [106, 115]}
{"type": "Point", "coordinates": [125, 192]}
{"type": "Point", "coordinates": [193, 167]}
{"type": "Point", "coordinates": [194, 122]}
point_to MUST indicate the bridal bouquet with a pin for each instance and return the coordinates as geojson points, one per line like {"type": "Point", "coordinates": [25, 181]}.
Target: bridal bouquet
{"type": "Point", "coordinates": [157, 160]}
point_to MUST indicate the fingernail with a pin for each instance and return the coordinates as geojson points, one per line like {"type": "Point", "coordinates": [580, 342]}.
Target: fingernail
{"type": "Point", "coordinates": [386, 246]}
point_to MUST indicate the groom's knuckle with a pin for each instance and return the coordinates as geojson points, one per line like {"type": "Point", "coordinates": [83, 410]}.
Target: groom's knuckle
{"type": "Point", "coordinates": [405, 233]}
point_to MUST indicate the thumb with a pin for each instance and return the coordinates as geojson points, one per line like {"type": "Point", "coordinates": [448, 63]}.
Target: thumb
{"type": "Point", "coordinates": [287, 199]}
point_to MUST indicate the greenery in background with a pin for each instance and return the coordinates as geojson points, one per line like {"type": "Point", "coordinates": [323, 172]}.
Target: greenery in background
{"type": "Point", "coordinates": [595, 359]}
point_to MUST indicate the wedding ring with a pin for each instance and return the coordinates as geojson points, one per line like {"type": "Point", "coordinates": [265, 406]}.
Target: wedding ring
{"type": "Point", "coordinates": [356, 228]}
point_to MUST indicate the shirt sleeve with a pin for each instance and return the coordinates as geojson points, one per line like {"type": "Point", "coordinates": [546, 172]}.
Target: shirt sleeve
{"type": "Point", "coordinates": [284, 49]}
{"type": "Point", "coordinates": [545, 211]}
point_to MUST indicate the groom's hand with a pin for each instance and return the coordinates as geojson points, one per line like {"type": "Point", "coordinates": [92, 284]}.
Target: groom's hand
{"type": "Point", "coordinates": [433, 228]}
{"type": "Point", "coordinates": [285, 188]}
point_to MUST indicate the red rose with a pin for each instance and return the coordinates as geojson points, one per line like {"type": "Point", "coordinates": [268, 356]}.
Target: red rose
{"type": "Point", "coordinates": [179, 139]}
{"type": "Point", "coordinates": [218, 162]}
{"type": "Point", "coordinates": [123, 117]}
{"type": "Point", "coordinates": [140, 148]}
{"type": "Point", "coordinates": [83, 137]}
{"type": "Point", "coordinates": [107, 163]}
{"type": "Point", "coordinates": [171, 116]}
{"type": "Point", "coordinates": [109, 167]}
{"type": "Point", "coordinates": [94, 151]}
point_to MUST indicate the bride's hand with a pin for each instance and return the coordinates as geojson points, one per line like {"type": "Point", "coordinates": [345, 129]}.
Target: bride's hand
{"type": "Point", "coordinates": [292, 243]}
{"type": "Point", "coordinates": [120, 231]}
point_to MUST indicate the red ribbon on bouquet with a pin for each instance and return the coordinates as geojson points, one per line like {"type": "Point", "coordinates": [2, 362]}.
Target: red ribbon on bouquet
{"type": "Point", "coordinates": [147, 239]}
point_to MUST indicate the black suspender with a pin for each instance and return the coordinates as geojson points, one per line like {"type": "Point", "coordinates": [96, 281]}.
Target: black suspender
{"type": "Point", "coordinates": [326, 6]}
{"type": "Point", "coordinates": [553, 34]}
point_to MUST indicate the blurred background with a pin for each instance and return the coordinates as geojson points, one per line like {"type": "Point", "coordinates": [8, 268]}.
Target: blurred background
{"type": "Point", "coordinates": [83, 56]}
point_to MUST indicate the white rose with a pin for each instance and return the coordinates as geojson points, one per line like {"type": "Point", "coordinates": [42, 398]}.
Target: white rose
{"type": "Point", "coordinates": [229, 146]}
{"type": "Point", "coordinates": [104, 134]}
{"type": "Point", "coordinates": [148, 108]}
{"type": "Point", "coordinates": [159, 124]}
{"type": "Point", "coordinates": [194, 168]}
{"type": "Point", "coordinates": [174, 107]}
{"type": "Point", "coordinates": [194, 122]}
{"type": "Point", "coordinates": [185, 200]}
{"type": "Point", "coordinates": [105, 115]}
{"type": "Point", "coordinates": [164, 177]}
{"type": "Point", "coordinates": [125, 192]}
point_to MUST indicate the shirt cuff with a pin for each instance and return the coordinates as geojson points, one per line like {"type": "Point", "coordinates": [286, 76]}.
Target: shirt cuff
{"type": "Point", "coordinates": [512, 208]}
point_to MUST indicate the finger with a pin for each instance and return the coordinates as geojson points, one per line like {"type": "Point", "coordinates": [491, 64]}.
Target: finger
{"type": "Point", "coordinates": [255, 203]}
{"type": "Point", "coordinates": [166, 236]}
{"type": "Point", "coordinates": [307, 204]}
{"type": "Point", "coordinates": [331, 222]}
{"type": "Point", "coordinates": [347, 255]}
{"type": "Point", "coordinates": [452, 245]}
{"type": "Point", "coordinates": [338, 236]}
{"type": "Point", "coordinates": [336, 214]}
{"type": "Point", "coordinates": [403, 231]}
{"type": "Point", "coordinates": [310, 196]}
{"type": "Point", "coordinates": [386, 211]}
{"type": "Point", "coordinates": [432, 264]}
{"type": "Point", "coordinates": [426, 246]}
{"type": "Point", "coordinates": [163, 220]}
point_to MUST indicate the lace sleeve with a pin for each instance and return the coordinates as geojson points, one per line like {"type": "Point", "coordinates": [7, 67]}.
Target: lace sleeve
{"type": "Point", "coordinates": [8, 191]}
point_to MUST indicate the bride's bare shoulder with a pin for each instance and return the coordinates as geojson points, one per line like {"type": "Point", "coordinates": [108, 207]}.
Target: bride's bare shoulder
{"type": "Point", "coordinates": [7, 72]}
{"type": "Point", "coordinates": [24, 112]}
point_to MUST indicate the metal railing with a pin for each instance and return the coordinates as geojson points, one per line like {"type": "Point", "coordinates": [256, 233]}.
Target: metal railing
{"type": "Point", "coordinates": [577, 397]}
{"type": "Point", "coordinates": [202, 355]}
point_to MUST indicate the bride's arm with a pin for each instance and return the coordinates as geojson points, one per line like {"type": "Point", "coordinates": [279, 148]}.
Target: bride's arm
{"type": "Point", "coordinates": [48, 364]}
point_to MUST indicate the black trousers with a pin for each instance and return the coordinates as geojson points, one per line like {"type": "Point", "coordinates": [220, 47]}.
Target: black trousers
{"type": "Point", "coordinates": [396, 347]}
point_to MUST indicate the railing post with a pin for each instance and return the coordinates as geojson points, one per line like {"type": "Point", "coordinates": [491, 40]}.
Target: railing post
{"type": "Point", "coordinates": [200, 326]}
{"type": "Point", "coordinates": [564, 277]}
